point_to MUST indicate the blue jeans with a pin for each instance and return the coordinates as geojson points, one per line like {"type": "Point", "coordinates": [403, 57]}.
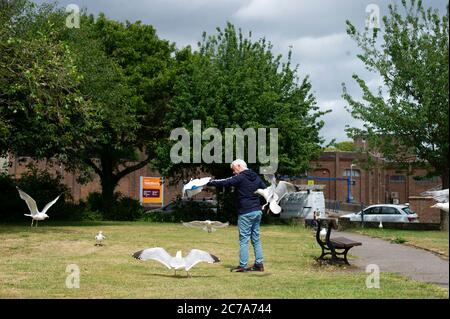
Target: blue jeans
{"type": "Point", "coordinates": [248, 225]}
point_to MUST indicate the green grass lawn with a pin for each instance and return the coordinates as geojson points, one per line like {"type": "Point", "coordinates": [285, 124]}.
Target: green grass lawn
{"type": "Point", "coordinates": [436, 241]}
{"type": "Point", "coordinates": [33, 265]}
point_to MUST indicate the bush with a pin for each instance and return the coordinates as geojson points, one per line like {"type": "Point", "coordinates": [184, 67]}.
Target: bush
{"type": "Point", "coordinates": [44, 188]}
{"type": "Point", "coordinates": [398, 240]}
{"type": "Point", "coordinates": [124, 208]}
{"type": "Point", "coordinates": [11, 207]}
{"type": "Point", "coordinates": [128, 209]}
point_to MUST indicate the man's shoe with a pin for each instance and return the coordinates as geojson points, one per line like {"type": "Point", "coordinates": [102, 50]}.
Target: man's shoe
{"type": "Point", "coordinates": [238, 269]}
{"type": "Point", "coordinates": [256, 267]}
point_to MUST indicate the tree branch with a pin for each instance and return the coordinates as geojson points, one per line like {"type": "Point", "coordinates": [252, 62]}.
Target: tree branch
{"type": "Point", "coordinates": [133, 168]}
{"type": "Point", "coordinates": [89, 162]}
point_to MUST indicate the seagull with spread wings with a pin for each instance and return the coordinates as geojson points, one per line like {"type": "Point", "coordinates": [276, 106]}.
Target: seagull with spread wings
{"type": "Point", "coordinates": [441, 196]}
{"type": "Point", "coordinates": [206, 225]}
{"type": "Point", "coordinates": [160, 254]}
{"type": "Point", "coordinates": [194, 186]}
{"type": "Point", "coordinates": [275, 192]}
{"type": "Point", "coordinates": [36, 215]}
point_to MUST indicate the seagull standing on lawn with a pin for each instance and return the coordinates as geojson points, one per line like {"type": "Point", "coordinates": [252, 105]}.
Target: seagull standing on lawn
{"type": "Point", "coordinates": [441, 196]}
{"type": "Point", "coordinates": [36, 215]}
{"type": "Point", "coordinates": [99, 238]}
{"type": "Point", "coordinates": [160, 254]}
{"type": "Point", "coordinates": [206, 225]}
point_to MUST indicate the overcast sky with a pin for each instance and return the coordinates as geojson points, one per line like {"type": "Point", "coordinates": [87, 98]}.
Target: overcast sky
{"type": "Point", "coordinates": [314, 29]}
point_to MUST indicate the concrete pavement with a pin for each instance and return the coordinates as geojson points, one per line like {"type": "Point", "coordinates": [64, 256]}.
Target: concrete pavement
{"type": "Point", "coordinates": [414, 263]}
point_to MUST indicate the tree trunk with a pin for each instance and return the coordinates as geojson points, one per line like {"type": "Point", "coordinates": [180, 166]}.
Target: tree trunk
{"type": "Point", "coordinates": [444, 215]}
{"type": "Point", "coordinates": [444, 178]}
{"type": "Point", "coordinates": [109, 183]}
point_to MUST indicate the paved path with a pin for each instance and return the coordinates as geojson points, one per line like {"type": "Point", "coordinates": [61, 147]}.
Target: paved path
{"type": "Point", "coordinates": [415, 263]}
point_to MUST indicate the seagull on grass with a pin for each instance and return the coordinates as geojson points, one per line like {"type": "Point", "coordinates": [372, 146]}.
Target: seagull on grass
{"type": "Point", "coordinates": [99, 238]}
{"type": "Point", "coordinates": [160, 254]}
{"type": "Point", "coordinates": [36, 215]}
{"type": "Point", "coordinates": [441, 196]}
{"type": "Point", "coordinates": [206, 225]}
{"type": "Point", "coordinates": [275, 192]}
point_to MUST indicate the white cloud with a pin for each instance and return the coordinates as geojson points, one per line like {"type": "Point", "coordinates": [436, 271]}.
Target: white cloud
{"type": "Point", "coordinates": [319, 48]}
{"type": "Point", "coordinates": [314, 29]}
{"type": "Point", "coordinates": [336, 121]}
{"type": "Point", "coordinates": [265, 9]}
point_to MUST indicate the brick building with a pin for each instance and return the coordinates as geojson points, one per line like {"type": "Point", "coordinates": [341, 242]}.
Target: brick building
{"type": "Point", "coordinates": [371, 185]}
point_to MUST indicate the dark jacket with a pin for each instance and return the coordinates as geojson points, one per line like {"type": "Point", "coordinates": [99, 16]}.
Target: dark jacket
{"type": "Point", "coordinates": [245, 183]}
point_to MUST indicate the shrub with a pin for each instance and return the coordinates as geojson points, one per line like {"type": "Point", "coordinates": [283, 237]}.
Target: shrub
{"type": "Point", "coordinates": [398, 240]}
{"type": "Point", "coordinates": [124, 208]}
{"type": "Point", "coordinates": [128, 209]}
{"type": "Point", "coordinates": [43, 187]}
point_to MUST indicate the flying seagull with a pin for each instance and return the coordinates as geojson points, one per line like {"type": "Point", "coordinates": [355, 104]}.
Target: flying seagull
{"type": "Point", "coordinates": [99, 238]}
{"type": "Point", "coordinates": [194, 186]}
{"type": "Point", "coordinates": [206, 225]}
{"type": "Point", "coordinates": [441, 196]}
{"type": "Point", "coordinates": [36, 215]}
{"type": "Point", "coordinates": [275, 192]}
{"type": "Point", "coordinates": [160, 254]}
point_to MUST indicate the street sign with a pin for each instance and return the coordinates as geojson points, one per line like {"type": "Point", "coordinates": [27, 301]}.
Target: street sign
{"type": "Point", "coordinates": [151, 190]}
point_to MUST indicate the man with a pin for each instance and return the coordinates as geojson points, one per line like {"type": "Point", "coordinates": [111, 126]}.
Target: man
{"type": "Point", "coordinates": [246, 182]}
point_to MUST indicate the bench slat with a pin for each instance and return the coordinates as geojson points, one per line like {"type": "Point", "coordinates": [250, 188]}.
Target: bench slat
{"type": "Point", "coordinates": [344, 242]}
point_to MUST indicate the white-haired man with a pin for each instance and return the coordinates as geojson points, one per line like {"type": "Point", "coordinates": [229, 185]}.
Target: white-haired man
{"type": "Point", "coordinates": [246, 182]}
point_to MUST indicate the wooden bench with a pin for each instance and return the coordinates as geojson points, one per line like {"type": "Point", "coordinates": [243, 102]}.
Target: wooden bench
{"type": "Point", "coordinates": [335, 247]}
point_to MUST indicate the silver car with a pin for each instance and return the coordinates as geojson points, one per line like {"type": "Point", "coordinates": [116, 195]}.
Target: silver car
{"type": "Point", "coordinates": [385, 213]}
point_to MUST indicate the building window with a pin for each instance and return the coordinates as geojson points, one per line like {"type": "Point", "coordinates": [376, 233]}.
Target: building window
{"type": "Point", "coordinates": [397, 178]}
{"type": "Point", "coordinates": [354, 172]}
{"type": "Point", "coordinates": [425, 179]}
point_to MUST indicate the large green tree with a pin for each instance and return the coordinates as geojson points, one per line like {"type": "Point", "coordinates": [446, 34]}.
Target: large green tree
{"type": "Point", "coordinates": [42, 112]}
{"type": "Point", "coordinates": [127, 74]}
{"type": "Point", "coordinates": [51, 75]}
{"type": "Point", "coordinates": [233, 81]}
{"type": "Point", "coordinates": [409, 117]}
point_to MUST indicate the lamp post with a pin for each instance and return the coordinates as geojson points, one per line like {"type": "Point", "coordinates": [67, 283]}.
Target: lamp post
{"type": "Point", "coordinates": [351, 181]}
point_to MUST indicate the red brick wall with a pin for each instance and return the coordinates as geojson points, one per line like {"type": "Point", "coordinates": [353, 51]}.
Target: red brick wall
{"type": "Point", "coordinates": [371, 187]}
{"type": "Point", "coordinates": [421, 205]}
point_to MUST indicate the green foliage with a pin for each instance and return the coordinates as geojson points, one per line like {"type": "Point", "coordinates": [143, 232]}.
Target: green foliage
{"type": "Point", "coordinates": [123, 208]}
{"type": "Point", "coordinates": [398, 240]}
{"type": "Point", "coordinates": [233, 81]}
{"type": "Point", "coordinates": [44, 188]}
{"type": "Point", "coordinates": [42, 112]}
{"type": "Point", "coordinates": [345, 146]}
{"type": "Point", "coordinates": [127, 75]}
{"type": "Point", "coordinates": [411, 124]}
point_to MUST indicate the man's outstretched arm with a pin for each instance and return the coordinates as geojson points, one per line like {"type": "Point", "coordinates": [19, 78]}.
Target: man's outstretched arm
{"type": "Point", "coordinates": [230, 181]}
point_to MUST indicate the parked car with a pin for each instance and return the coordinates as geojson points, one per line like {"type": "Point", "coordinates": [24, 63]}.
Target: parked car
{"type": "Point", "coordinates": [202, 204]}
{"type": "Point", "coordinates": [385, 213]}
